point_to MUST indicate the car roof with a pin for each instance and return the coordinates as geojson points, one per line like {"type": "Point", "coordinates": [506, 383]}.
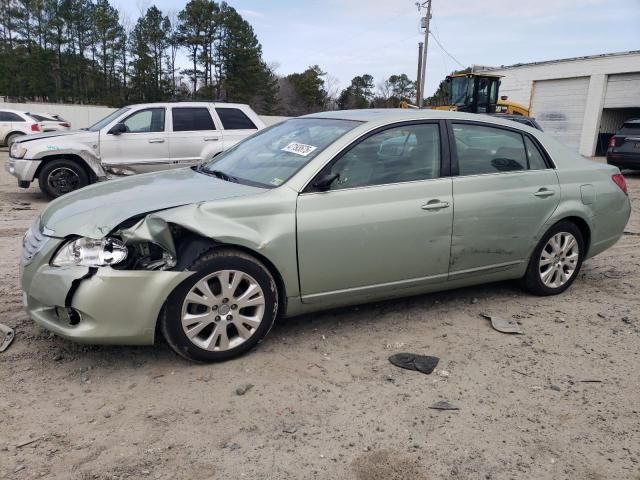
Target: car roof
{"type": "Point", "coordinates": [510, 115]}
{"type": "Point", "coordinates": [186, 103]}
{"type": "Point", "coordinates": [19, 112]}
{"type": "Point", "coordinates": [391, 115]}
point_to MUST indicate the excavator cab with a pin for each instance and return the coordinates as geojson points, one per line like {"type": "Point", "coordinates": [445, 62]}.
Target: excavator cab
{"type": "Point", "coordinates": [474, 93]}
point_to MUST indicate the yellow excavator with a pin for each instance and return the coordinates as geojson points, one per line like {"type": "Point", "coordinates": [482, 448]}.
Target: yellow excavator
{"type": "Point", "coordinates": [478, 93]}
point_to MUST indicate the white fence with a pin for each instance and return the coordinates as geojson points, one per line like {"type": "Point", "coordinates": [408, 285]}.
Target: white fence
{"type": "Point", "coordinates": [82, 116]}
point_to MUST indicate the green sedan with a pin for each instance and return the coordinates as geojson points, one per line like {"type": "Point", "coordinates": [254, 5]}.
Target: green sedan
{"type": "Point", "coordinates": [321, 211]}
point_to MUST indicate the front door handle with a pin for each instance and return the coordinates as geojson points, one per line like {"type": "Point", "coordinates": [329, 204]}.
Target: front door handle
{"type": "Point", "coordinates": [544, 193]}
{"type": "Point", "coordinates": [211, 139]}
{"type": "Point", "coordinates": [435, 205]}
{"type": "Point", "coordinates": [156, 140]}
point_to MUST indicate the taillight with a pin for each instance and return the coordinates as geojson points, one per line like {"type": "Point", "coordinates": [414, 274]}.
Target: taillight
{"type": "Point", "coordinates": [618, 179]}
{"type": "Point", "coordinates": [612, 142]}
{"type": "Point", "coordinates": [65, 125]}
{"type": "Point", "coordinates": [35, 127]}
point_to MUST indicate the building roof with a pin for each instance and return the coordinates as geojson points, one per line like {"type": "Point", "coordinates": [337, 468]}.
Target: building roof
{"type": "Point", "coordinates": [561, 60]}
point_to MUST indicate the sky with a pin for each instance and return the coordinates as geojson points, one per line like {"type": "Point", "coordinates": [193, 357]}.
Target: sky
{"type": "Point", "coordinates": [380, 37]}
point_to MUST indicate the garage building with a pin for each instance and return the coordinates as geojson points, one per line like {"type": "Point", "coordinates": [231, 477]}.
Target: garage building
{"type": "Point", "coordinates": [582, 101]}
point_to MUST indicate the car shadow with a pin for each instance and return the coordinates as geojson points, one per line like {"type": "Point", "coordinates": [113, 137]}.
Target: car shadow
{"type": "Point", "coordinates": [346, 320]}
{"type": "Point", "coordinates": [376, 312]}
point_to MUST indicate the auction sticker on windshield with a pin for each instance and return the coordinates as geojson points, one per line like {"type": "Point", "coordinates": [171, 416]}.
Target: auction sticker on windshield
{"type": "Point", "coordinates": [299, 149]}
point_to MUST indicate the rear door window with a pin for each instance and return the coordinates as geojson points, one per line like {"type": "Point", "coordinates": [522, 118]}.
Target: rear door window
{"type": "Point", "coordinates": [482, 149]}
{"type": "Point", "coordinates": [235, 119]}
{"type": "Point", "coordinates": [192, 119]}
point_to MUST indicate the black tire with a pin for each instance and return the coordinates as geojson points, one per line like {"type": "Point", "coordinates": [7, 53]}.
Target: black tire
{"type": "Point", "coordinates": [11, 138]}
{"type": "Point", "coordinates": [61, 176]}
{"type": "Point", "coordinates": [532, 281]}
{"type": "Point", "coordinates": [216, 260]}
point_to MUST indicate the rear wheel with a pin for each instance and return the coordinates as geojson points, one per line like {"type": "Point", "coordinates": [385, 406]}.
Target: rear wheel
{"type": "Point", "coordinates": [62, 176]}
{"type": "Point", "coordinates": [225, 309]}
{"type": "Point", "coordinates": [556, 261]}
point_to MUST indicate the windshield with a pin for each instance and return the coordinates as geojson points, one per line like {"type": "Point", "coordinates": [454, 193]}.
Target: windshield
{"type": "Point", "coordinates": [272, 156]}
{"type": "Point", "coordinates": [107, 120]}
{"type": "Point", "coordinates": [459, 90]}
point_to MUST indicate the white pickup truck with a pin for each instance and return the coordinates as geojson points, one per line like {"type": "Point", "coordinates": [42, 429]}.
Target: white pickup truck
{"type": "Point", "coordinates": [134, 139]}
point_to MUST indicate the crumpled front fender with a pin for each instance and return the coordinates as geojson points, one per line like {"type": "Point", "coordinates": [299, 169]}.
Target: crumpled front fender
{"type": "Point", "coordinates": [268, 229]}
{"type": "Point", "coordinates": [42, 149]}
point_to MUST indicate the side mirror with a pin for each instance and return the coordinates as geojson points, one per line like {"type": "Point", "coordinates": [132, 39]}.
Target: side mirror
{"type": "Point", "coordinates": [117, 129]}
{"type": "Point", "coordinates": [324, 182]}
{"type": "Point", "coordinates": [504, 98]}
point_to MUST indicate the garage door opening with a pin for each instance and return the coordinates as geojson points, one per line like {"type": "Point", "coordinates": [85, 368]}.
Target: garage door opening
{"type": "Point", "coordinates": [612, 120]}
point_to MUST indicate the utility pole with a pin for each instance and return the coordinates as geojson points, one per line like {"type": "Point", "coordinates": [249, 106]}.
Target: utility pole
{"type": "Point", "coordinates": [424, 24]}
{"type": "Point", "coordinates": [419, 76]}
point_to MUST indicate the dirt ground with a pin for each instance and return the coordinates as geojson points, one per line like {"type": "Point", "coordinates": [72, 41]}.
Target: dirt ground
{"type": "Point", "coordinates": [560, 401]}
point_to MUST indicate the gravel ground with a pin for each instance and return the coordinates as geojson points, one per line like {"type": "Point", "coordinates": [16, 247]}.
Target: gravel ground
{"type": "Point", "coordinates": [325, 403]}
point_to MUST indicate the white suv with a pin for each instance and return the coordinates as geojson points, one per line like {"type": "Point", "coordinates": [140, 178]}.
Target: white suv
{"type": "Point", "coordinates": [14, 123]}
{"type": "Point", "coordinates": [133, 139]}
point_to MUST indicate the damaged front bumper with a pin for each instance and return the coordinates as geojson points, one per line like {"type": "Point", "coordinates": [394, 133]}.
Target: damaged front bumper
{"type": "Point", "coordinates": [23, 169]}
{"type": "Point", "coordinates": [98, 306]}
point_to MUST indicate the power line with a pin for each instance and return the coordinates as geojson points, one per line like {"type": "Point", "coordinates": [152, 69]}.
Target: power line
{"type": "Point", "coordinates": [445, 50]}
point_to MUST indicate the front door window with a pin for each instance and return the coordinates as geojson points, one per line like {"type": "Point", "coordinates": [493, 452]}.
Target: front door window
{"type": "Point", "coordinates": [146, 121]}
{"type": "Point", "coordinates": [400, 154]}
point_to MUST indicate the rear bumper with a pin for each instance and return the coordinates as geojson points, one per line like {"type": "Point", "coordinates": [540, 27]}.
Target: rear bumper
{"type": "Point", "coordinates": [24, 170]}
{"type": "Point", "coordinates": [624, 160]}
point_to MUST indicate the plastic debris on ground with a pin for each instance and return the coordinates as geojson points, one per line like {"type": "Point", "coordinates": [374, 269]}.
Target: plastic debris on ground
{"type": "Point", "coordinates": [411, 361]}
{"type": "Point", "coordinates": [443, 405]}
{"type": "Point", "coordinates": [6, 337]}
{"type": "Point", "coordinates": [503, 325]}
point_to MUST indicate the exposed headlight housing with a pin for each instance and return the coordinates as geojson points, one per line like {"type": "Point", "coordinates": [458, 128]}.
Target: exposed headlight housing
{"type": "Point", "coordinates": [88, 252]}
{"type": "Point", "coordinates": [17, 151]}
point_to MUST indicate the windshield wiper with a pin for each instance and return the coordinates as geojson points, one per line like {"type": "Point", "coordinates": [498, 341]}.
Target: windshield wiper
{"type": "Point", "coordinates": [221, 175]}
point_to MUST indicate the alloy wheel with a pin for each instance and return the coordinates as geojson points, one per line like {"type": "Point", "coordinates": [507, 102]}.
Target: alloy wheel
{"type": "Point", "coordinates": [223, 310]}
{"type": "Point", "coordinates": [559, 259]}
{"type": "Point", "coordinates": [63, 180]}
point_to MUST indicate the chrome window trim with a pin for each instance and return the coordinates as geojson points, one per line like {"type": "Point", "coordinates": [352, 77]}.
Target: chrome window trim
{"type": "Point", "coordinates": [511, 172]}
{"type": "Point", "coordinates": [375, 186]}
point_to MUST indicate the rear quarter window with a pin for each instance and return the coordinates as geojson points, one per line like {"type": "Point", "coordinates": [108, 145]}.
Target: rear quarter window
{"type": "Point", "coordinates": [235, 119]}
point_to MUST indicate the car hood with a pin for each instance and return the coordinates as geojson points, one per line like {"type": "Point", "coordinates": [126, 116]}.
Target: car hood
{"type": "Point", "coordinates": [58, 133]}
{"type": "Point", "coordinates": [96, 210]}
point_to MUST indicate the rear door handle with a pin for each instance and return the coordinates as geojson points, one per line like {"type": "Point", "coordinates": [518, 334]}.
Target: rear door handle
{"type": "Point", "coordinates": [435, 205]}
{"type": "Point", "coordinates": [156, 140]}
{"type": "Point", "coordinates": [211, 139]}
{"type": "Point", "coordinates": [544, 193]}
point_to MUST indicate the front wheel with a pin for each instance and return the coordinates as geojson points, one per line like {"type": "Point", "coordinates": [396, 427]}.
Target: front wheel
{"type": "Point", "coordinates": [556, 261]}
{"type": "Point", "coordinates": [62, 176]}
{"type": "Point", "coordinates": [225, 309]}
